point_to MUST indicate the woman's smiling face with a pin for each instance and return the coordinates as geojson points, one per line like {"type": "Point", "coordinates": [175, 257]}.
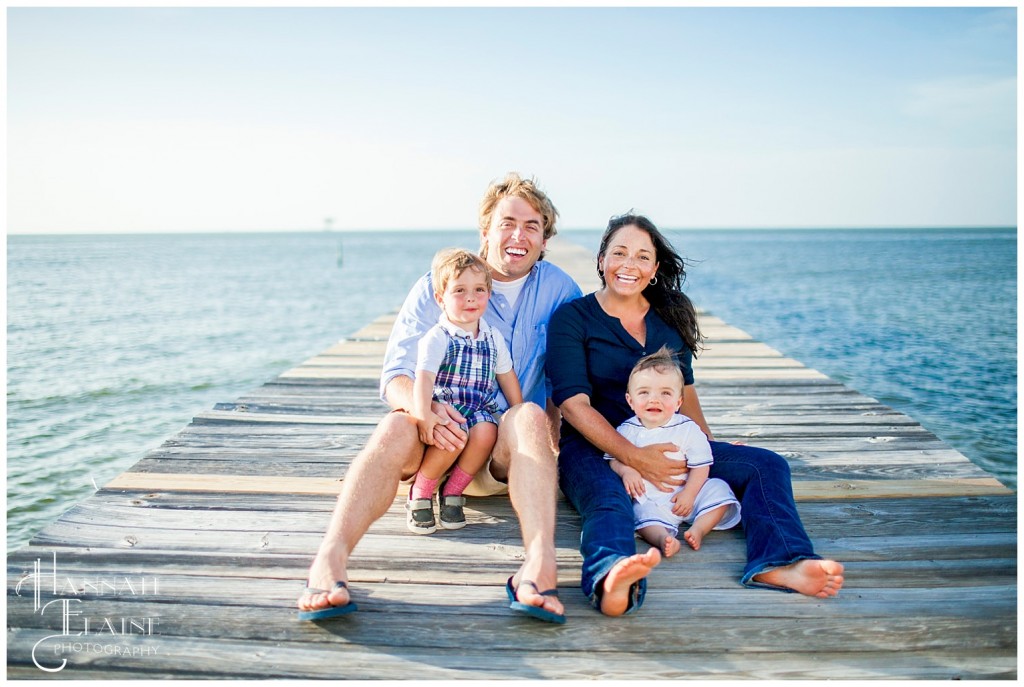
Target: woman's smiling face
{"type": "Point", "coordinates": [630, 261]}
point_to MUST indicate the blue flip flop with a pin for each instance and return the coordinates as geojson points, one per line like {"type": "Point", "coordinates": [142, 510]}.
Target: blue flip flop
{"type": "Point", "coordinates": [535, 611]}
{"type": "Point", "coordinates": [330, 611]}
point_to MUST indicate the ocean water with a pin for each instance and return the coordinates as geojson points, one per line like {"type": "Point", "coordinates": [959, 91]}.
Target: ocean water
{"type": "Point", "coordinates": [115, 342]}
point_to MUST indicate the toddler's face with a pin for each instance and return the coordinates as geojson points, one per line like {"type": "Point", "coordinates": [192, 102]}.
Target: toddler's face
{"type": "Point", "coordinates": [655, 395]}
{"type": "Point", "coordinates": [465, 297]}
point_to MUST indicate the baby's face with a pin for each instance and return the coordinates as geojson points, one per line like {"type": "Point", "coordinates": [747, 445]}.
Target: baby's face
{"type": "Point", "coordinates": [655, 395]}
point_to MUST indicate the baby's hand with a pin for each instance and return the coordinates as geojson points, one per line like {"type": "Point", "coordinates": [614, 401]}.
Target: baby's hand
{"type": "Point", "coordinates": [633, 482]}
{"type": "Point", "coordinates": [684, 503]}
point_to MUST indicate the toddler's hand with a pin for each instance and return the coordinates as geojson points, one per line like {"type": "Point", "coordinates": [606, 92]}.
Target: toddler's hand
{"type": "Point", "coordinates": [426, 430]}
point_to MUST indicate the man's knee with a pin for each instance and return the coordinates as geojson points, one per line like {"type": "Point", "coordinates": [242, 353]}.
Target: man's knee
{"type": "Point", "coordinates": [526, 415]}
{"type": "Point", "coordinates": [395, 445]}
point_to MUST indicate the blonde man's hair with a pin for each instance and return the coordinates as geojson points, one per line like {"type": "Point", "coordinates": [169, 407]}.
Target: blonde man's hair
{"type": "Point", "coordinates": [515, 185]}
{"type": "Point", "coordinates": [663, 360]}
{"type": "Point", "coordinates": [450, 263]}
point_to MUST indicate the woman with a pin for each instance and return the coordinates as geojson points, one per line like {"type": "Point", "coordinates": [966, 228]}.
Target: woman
{"type": "Point", "coordinates": [593, 343]}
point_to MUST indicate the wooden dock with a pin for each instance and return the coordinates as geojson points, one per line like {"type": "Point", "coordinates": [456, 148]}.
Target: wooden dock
{"type": "Point", "coordinates": [189, 564]}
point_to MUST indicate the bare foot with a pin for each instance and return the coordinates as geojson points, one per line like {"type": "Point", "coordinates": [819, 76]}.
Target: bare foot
{"type": "Point", "coordinates": [693, 537]}
{"type": "Point", "coordinates": [820, 578]}
{"type": "Point", "coordinates": [325, 571]}
{"type": "Point", "coordinates": [620, 579]}
{"type": "Point", "coordinates": [661, 537]}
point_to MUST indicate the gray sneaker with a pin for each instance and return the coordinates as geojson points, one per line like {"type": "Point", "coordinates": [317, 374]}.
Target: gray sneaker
{"type": "Point", "coordinates": [450, 508]}
{"type": "Point", "coordinates": [419, 516]}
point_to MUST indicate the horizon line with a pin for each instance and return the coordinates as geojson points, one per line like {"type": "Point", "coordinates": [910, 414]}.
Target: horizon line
{"type": "Point", "coordinates": [349, 230]}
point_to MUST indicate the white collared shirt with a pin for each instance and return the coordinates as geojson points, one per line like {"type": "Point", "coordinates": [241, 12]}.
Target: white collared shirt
{"type": "Point", "coordinates": [433, 346]}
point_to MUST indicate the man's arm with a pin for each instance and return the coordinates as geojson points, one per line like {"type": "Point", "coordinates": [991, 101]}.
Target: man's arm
{"type": "Point", "coordinates": [418, 314]}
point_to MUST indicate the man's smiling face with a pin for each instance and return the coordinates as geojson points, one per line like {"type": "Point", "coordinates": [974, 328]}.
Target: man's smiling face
{"type": "Point", "coordinates": [515, 239]}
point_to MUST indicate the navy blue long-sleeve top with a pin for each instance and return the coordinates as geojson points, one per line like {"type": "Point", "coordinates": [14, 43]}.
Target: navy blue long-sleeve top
{"type": "Point", "coordinates": [590, 352]}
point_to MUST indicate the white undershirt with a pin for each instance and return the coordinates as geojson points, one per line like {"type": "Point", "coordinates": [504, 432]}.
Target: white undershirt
{"type": "Point", "coordinates": [510, 289]}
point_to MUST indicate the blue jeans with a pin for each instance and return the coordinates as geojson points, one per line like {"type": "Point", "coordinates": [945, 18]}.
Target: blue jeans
{"type": "Point", "coordinates": [761, 481]}
{"type": "Point", "coordinates": [606, 510]}
{"type": "Point", "coordinates": [759, 478]}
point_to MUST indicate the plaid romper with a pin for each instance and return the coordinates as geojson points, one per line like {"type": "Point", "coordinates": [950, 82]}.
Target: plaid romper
{"type": "Point", "coordinates": [466, 378]}
{"type": "Point", "coordinates": [465, 368]}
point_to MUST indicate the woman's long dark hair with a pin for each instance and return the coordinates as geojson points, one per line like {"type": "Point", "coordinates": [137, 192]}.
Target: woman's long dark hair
{"type": "Point", "coordinates": [666, 294]}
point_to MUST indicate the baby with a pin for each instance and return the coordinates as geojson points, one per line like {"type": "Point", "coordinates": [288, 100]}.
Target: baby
{"type": "Point", "coordinates": [655, 393]}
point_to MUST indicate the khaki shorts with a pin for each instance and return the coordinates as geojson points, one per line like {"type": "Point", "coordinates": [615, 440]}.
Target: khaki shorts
{"type": "Point", "coordinates": [486, 484]}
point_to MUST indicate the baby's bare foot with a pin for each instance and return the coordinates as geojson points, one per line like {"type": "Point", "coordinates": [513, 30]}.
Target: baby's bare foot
{"type": "Point", "coordinates": [820, 578]}
{"type": "Point", "coordinates": [693, 537]}
{"type": "Point", "coordinates": [670, 546]}
{"type": "Point", "coordinates": [618, 582]}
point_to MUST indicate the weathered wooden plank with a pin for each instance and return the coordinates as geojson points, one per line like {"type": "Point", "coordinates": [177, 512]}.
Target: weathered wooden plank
{"type": "Point", "coordinates": [214, 416]}
{"type": "Point", "coordinates": [348, 659]}
{"type": "Point", "coordinates": [984, 620]}
{"type": "Point", "coordinates": [331, 373]}
{"type": "Point", "coordinates": [498, 541]}
{"type": "Point", "coordinates": [259, 461]}
{"type": "Point", "coordinates": [689, 572]}
{"type": "Point", "coordinates": [802, 490]}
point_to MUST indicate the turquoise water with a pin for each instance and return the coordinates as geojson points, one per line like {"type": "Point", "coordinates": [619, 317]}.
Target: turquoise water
{"type": "Point", "coordinates": [115, 342]}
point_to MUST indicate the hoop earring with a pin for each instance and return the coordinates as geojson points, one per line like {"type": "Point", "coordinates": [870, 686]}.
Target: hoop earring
{"type": "Point", "coordinates": [654, 280]}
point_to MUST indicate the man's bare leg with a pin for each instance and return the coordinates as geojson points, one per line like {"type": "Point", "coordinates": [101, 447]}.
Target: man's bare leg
{"type": "Point", "coordinates": [813, 577]}
{"type": "Point", "coordinates": [617, 583]}
{"type": "Point", "coordinates": [393, 451]}
{"type": "Point", "coordinates": [523, 456]}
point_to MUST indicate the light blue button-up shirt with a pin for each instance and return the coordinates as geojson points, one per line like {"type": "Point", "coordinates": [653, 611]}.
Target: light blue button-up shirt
{"type": "Point", "coordinates": [525, 328]}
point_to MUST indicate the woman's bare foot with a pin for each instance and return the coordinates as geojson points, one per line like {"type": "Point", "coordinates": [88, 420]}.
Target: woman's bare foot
{"type": "Point", "coordinates": [325, 571]}
{"type": "Point", "coordinates": [813, 577]}
{"type": "Point", "coordinates": [617, 583]}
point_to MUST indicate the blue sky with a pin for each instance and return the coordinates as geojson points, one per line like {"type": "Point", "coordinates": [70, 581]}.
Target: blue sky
{"type": "Point", "coordinates": [182, 119]}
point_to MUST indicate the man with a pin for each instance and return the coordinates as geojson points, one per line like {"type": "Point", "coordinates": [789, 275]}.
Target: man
{"type": "Point", "coordinates": [516, 221]}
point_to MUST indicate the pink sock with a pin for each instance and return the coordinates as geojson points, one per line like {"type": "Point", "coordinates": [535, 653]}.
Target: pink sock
{"type": "Point", "coordinates": [423, 487]}
{"type": "Point", "coordinates": [457, 482]}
